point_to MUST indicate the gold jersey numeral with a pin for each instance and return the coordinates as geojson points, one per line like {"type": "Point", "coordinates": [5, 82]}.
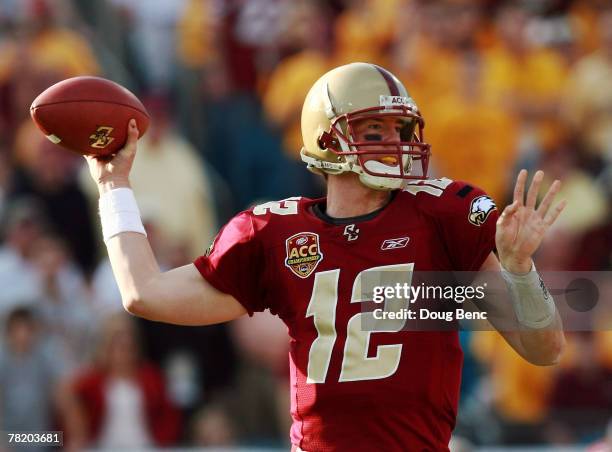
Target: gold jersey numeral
{"type": "Point", "coordinates": [356, 364]}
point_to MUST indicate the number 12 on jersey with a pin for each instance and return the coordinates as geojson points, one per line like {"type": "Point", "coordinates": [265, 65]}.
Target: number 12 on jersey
{"type": "Point", "coordinates": [356, 365]}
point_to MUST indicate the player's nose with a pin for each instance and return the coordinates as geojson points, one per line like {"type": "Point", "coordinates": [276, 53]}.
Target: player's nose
{"type": "Point", "coordinates": [392, 135]}
{"type": "Point", "coordinates": [391, 132]}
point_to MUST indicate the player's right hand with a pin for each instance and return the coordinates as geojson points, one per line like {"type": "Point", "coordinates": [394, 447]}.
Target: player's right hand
{"type": "Point", "coordinates": [114, 171]}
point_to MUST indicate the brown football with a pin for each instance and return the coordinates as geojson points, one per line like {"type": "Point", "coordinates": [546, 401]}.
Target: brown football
{"type": "Point", "coordinates": [88, 115]}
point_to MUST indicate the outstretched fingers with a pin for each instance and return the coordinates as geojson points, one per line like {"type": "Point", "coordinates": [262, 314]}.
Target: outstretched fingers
{"type": "Point", "coordinates": [548, 198]}
{"type": "Point", "coordinates": [508, 213]}
{"type": "Point", "coordinates": [534, 188]}
{"type": "Point", "coordinates": [519, 187]}
{"type": "Point", "coordinates": [507, 226]}
{"type": "Point", "coordinates": [552, 216]}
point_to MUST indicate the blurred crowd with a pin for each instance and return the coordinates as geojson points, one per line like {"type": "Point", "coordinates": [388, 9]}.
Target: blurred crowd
{"type": "Point", "coordinates": [502, 85]}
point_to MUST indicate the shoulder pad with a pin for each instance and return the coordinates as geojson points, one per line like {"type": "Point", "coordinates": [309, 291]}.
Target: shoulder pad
{"type": "Point", "coordinates": [447, 197]}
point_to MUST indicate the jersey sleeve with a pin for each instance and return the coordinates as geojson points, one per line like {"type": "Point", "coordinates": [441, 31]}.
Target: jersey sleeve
{"type": "Point", "coordinates": [233, 264]}
{"type": "Point", "coordinates": [469, 226]}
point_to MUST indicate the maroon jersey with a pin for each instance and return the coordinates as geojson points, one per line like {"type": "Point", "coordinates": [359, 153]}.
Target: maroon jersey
{"type": "Point", "coordinates": [351, 389]}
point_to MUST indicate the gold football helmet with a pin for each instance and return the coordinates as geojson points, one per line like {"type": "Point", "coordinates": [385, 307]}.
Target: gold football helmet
{"type": "Point", "coordinates": [360, 91]}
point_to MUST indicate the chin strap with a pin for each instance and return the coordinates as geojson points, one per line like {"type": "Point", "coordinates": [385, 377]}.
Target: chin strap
{"type": "Point", "coordinates": [350, 164]}
{"type": "Point", "coordinates": [315, 165]}
{"type": "Point", "coordinates": [382, 183]}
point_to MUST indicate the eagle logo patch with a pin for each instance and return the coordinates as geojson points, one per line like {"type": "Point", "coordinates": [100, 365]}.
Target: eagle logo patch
{"type": "Point", "coordinates": [303, 253]}
{"type": "Point", "coordinates": [480, 209]}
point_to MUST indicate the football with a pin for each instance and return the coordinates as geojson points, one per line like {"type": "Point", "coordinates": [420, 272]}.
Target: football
{"type": "Point", "coordinates": [88, 115]}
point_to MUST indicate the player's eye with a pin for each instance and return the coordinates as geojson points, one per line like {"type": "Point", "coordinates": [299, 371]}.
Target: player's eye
{"type": "Point", "coordinates": [375, 126]}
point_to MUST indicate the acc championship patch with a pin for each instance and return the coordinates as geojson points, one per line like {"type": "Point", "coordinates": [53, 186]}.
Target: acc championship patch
{"type": "Point", "coordinates": [480, 209]}
{"type": "Point", "coordinates": [303, 253]}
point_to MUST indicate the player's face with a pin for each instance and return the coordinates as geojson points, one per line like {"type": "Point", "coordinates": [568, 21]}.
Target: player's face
{"type": "Point", "coordinates": [386, 129]}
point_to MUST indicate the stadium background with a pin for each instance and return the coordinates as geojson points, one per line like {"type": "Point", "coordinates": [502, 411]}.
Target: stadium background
{"type": "Point", "coordinates": [502, 85]}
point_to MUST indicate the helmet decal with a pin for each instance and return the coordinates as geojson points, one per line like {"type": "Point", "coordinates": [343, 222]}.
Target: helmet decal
{"type": "Point", "coordinates": [393, 88]}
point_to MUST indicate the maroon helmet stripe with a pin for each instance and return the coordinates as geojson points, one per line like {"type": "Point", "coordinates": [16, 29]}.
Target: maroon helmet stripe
{"type": "Point", "coordinates": [393, 88]}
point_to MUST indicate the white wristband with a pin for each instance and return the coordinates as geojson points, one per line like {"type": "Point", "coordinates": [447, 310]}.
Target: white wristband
{"type": "Point", "coordinates": [119, 213]}
{"type": "Point", "coordinates": [533, 304]}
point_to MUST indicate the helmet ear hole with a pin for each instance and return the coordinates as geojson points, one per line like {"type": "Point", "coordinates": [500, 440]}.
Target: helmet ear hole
{"type": "Point", "coordinates": [327, 141]}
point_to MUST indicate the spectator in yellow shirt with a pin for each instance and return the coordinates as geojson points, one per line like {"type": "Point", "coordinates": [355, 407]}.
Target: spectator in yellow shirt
{"type": "Point", "coordinates": [587, 104]}
{"type": "Point", "coordinates": [308, 29]}
{"type": "Point", "coordinates": [524, 79]}
{"type": "Point", "coordinates": [472, 139]}
{"type": "Point", "coordinates": [520, 390]}
{"type": "Point", "coordinates": [365, 30]}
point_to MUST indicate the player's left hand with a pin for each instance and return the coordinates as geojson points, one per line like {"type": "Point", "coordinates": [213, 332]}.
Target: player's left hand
{"type": "Point", "coordinates": [521, 227]}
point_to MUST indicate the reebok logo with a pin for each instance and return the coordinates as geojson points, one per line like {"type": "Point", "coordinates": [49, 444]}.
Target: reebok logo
{"type": "Point", "coordinates": [392, 244]}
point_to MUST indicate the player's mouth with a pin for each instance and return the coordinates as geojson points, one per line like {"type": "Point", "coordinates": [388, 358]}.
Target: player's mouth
{"type": "Point", "coordinates": [383, 165]}
{"type": "Point", "coordinates": [389, 160]}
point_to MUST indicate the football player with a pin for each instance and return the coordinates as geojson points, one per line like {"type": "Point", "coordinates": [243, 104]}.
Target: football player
{"type": "Point", "coordinates": [352, 388]}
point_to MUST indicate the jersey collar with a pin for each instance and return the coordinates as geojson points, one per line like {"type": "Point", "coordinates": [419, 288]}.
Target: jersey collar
{"type": "Point", "coordinates": [318, 209]}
